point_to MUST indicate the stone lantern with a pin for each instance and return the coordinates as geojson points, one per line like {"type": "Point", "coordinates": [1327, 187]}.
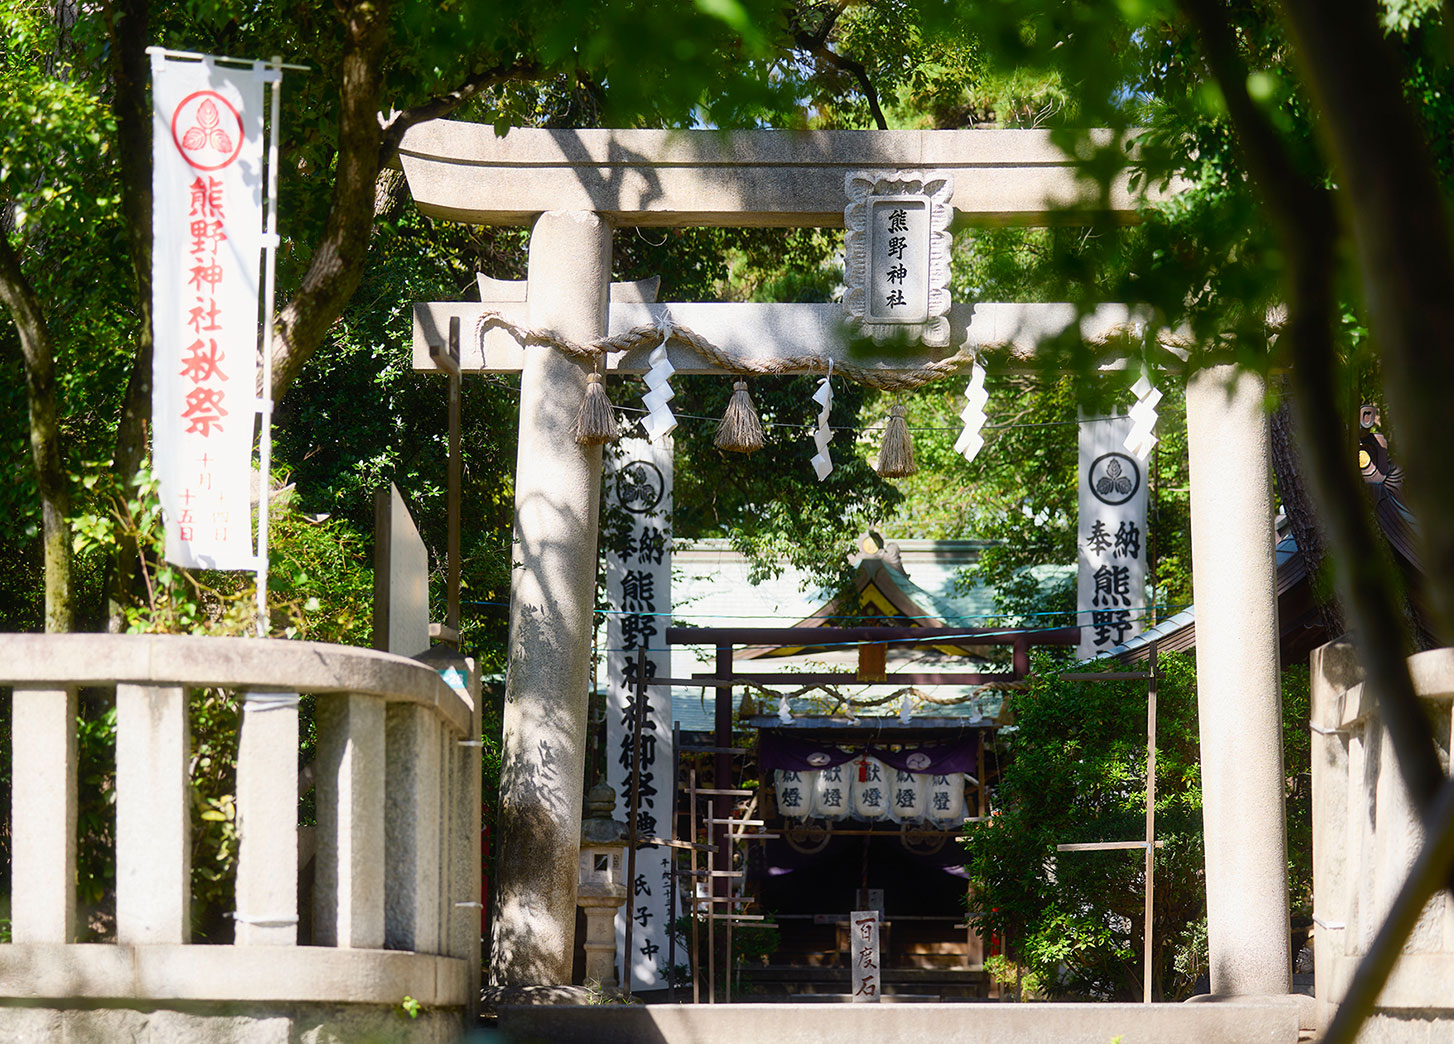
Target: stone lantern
{"type": "Point", "coordinates": [602, 886]}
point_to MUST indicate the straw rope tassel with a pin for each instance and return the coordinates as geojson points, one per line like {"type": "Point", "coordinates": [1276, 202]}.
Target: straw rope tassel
{"type": "Point", "coordinates": [740, 430]}
{"type": "Point", "coordinates": [896, 458]}
{"type": "Point", "coordinates": [596, 423]}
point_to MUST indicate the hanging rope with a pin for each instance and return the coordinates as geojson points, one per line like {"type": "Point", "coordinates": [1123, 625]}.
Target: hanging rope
{"type": "Point", "coordinates": [649, 335]}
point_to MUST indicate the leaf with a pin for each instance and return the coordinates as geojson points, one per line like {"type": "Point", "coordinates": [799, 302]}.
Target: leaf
{"type": "Point", "coordinates": [194, 139]}
{"type": "Point", "coordinates": [207, 115]}
{"type": "Point", "coordinates": [221, 142]}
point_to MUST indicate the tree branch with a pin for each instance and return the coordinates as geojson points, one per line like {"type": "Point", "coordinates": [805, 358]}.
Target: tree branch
{"type": "Point", "coordinates": [338, 262]}
{"type": "Point", "coordinates": [443, 104]}
{"type": "Point", "coordinates": [816, 44]}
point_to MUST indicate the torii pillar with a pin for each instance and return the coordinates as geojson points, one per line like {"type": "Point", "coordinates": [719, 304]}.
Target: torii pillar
{"type": "Point", "coordinates": [465, 172]}
{"type": "Point", "coordinates": [557, 498]}
{"type": "Point", "coordinates": [1239, 685]}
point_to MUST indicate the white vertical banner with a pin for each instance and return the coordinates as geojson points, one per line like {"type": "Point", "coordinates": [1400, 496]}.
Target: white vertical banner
{"type": "Point", "coordinates": [638, 497]}
{"type": "Point", "coordinates": [207, 237]}
{"type": "Point", "coordinates": [1110, 538]}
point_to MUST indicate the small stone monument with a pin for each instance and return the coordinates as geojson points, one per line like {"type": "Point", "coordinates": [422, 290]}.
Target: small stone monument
{"type": "Point", "coordinates": [602, 887]}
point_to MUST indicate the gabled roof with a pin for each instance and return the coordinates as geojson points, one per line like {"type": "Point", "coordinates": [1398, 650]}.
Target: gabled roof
{"type": "Point", "coordinates": [884, 591]}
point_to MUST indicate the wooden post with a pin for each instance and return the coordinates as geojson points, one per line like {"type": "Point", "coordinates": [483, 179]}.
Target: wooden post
{"type": "Point", "coordinates": [692, 821]}
{"type": "Point", "coordinates": [722, 761]}
{"type": "Point", "coordinates": [1150, 817]}
{"type": "Point", "coordinates": [452, 567]}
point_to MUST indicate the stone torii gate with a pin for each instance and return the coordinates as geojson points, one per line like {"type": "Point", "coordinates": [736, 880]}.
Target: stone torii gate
{"type": "Point", "coordinates": [572, 188]}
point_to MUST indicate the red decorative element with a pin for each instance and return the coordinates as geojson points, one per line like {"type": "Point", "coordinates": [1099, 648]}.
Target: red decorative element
{"type": "Point", "coordinates": [204, 411]}
{"type": "Point", "coordinates": [210, 141]}
{"type": "Point", "coordinates": [203, 362]}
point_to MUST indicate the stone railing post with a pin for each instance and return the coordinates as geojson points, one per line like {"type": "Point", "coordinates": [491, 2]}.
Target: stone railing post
{"type": "Point", "coordinates": [413, 824]}
{"type": "Point", "coordinates": [43, 815]}
{"type": "Point", "coordinates": [267, 820]}
{"type": "Point", "coordinates": [1334, 670]}
{"type": "Point", "coordinates": [348, 886]}
{"type": "Point", "coordinates": [153, 815]}
{"type": "Point", "coordinates": [463, 809]}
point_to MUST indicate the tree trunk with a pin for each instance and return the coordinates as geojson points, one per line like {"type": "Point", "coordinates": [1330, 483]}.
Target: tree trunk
{"type": "Point", "coordinates": [126, 22]}
{"type": "Point", "coordinates": [130, 72]}
{"type": "Point", "coordinates": [1396, 210]}
{"type": "Point", "coordinates": [338, 262]}
{"type": "Point", "coordinates": [20, 299]}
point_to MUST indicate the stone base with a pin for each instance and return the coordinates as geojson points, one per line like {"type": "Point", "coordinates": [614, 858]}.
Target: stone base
{"type": "Point", "coordinates": [224, 1023]}
{"type": "Point", "coordinates": [493, 998]}
{"type": "Point", "coordinates": [1302, 1003]}
{"type": "Point", "coordinates": [1241, 1021]}
{"type": "Point", "coordinates": [1408, 1027]}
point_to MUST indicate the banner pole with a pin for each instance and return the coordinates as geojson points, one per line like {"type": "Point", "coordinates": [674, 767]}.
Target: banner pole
{"type": "Point", "coordinates": [265, 401]}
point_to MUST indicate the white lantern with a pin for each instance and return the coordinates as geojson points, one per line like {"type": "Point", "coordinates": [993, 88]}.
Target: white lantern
{"type": "Point", "coordinates": [795, 793]}
{"type": "Point", "coordinates": [907, 796]}
{"type": "Point", "coordinates": [832, 794]}
{"type": "Point", "coordinates": [870, 788]}
{"type": "Point", "coordinates": [946, 798]}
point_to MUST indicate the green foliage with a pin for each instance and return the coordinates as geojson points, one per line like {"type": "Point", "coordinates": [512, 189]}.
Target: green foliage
{"type": "Point", "coordinates": [95, 815]}
{"type": "Point", "coordinates": [214, 717]}
{"type": "Point", "coordinates": [1075, 772]}
{"type": "Point", "coordinates": [753, 943]}
{"type": "Point", "coordinates": [60, 197]}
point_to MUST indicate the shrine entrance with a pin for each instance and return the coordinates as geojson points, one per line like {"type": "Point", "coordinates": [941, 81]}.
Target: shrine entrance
{"type": "Point", "coordinates": [573, 187]}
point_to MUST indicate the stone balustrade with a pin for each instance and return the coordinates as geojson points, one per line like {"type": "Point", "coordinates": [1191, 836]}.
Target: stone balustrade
{"type": "Point", "coordinates": [396, 883]}
{"type": "Point", "coordinates": [1366, 835]}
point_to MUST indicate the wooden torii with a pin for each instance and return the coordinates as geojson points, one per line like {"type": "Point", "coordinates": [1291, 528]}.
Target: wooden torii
{"type": "Point", "coordinates": [572, 188]}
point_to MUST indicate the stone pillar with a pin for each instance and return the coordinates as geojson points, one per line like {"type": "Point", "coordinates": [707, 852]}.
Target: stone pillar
{"type": "Point", "coordinates": [267, 820]}
{"type": "Point", "coordinates": [1239, 698]}
{"type": "Point", "coordinates": [414, 871]}
{"type": "Point", "coordinates": [1334, 670]}
{"type": "Point", "coordinates": [153, 815]}
{"type": "Point", "coordinates": [43, 815]}
{"type": "Point", "coordinates": [348, 886]}
{"type": "Point", "coordinates": [557, 495]}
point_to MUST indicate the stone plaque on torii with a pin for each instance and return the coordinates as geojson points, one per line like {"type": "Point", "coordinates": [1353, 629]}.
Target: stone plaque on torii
{"type": "Point", "coordinates": [574, 186]}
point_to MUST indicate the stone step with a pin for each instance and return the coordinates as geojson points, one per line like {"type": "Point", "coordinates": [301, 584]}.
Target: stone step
{"type": "Point", "coordinates": [1262, 1021]}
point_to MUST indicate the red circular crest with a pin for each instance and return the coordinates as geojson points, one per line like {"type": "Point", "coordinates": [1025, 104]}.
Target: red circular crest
{"type": "Point", "coordinates": [207, 130]}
